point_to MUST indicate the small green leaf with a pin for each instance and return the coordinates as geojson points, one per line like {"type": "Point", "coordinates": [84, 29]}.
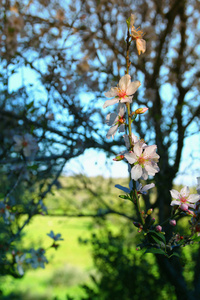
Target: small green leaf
{"type": "Point", "coordinates": [159, 235]}
{"type": "Point", "coordinates": [174, 254]}
{"type": "Point", "coordinates": [125, 197]}
{"type": "Point", "coordinates": [28, 106]}
{"type": "Point", "coordinates": [196, 239]}
{"type": "Point", "coordinates": [158, 241]}
{"type": "Point", "coordinates": [156, 251]}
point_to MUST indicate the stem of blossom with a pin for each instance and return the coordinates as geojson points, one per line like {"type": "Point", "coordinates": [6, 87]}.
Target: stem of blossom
{"type": "Point", "coordinates": [137, 203]}
{"type": "Point", "coordinates": [128, 43]}
{"type": "Point", "coordinates": [129, 124]}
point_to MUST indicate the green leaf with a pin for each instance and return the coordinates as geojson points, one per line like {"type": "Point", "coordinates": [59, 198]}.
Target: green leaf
{"type": "Point", "coordinates": [28, 106]}
{"type": "Point", "coordinates": [196, 239]}
{"type": "Point", "coordinates": [156, 251]}
{"type": "Point", "coordinates": [174, 254]}
{"type": "Point", "coordinates": [159, 235]}
{"type": "Point", "coordinates": [125, 197]}
{"type": "Point", "coordinates": [158, 241]}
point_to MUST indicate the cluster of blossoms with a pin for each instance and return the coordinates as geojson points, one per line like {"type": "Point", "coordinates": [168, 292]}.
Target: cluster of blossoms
{"type": "Point", "coordinates": [143, 160]}
{"type": "Point", "coordinates": [34, 258]}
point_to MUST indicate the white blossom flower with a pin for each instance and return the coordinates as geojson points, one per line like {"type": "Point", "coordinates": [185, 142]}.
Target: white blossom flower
{"type": "Point", "coordinates": [137, 35]}
{"type": "Point", "coordinates": [144, 161]}
{"type": "Point", "coordinates": [116, 121]}
{"type": "Point", "coordinates": [143, 189]}
{"type": "Point", "coordinates": [123, 92]}
{"type": "Point", "coordinates": [184, 199]}
{"type": "Point", "coordinates": [139, 188]}
{"type": "Point", "coordinates": [27, 143]}
{"type": "Point", "coordinates": [55, 237]}
{"type": "Point", "coordinates": [20, 260]}
{"type": "Point", "coordinates": [37, 258]}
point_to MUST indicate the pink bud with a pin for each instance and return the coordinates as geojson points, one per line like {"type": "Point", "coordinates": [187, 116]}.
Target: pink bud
{"type": "Point", "coordinates": [118, 158]}
{"type": "Point", "coordinates": [136, 224]}
{"type": "Point", "coordinates": [184, 207]}
{"type": "Point", "coordinates": [172, 222]}
{"type": "Point", "coordinates": [158, 228]}
{"type": "Point", "coordinates": [140, 111]}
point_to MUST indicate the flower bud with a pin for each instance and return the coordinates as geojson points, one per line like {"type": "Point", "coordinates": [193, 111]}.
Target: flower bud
{"type": "Point", "coordinates": [172, 222]}
{"type": "Point", "coordinates": [140, 111]}
{"type": "Point", "coordinates": [136, 224]}
{"type": "Point", "coordinates": [149, 211]}
{"type": "Point", "coordinates": [184, 207]}
{"type": "Point", "coordinates": [118, 158]}
{"type": "Point", "coordinates": [158, 228]}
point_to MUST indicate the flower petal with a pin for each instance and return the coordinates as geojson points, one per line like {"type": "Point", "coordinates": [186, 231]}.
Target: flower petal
{"type": "Point", "coordinates": [124, 82]}
{"type": "Point", "coordinates": [193, 198]}
{"type": "Point", "coordinates": [175, 194]}
{"type": "Point", "coordinates": [185, 191]}
{"type": "Point", "coordinates": [122, 188]}
{"type": "Point", "coordinates": [131, 157]}
{"type": "Point", "coordinates": [175, 202]}
{"type": "Point", "coordinates": [132, 88]}
{"type": "Point", "coordinates": [137, 149]}
{"type": "Point", "coordinates": [112, 93]}
{"type": "Point", "coordinates": [121, 109]}
{"type": "Point", "coordinates": [111, 132]}
{"type": "Point", "coordinates": [136, 172]}
{"type": "Point", "coordinates": [111, 119]}
{"type": "Point", "coordinates": [111, 102]}
{"type": "Point", "coordinates": [141, 45]}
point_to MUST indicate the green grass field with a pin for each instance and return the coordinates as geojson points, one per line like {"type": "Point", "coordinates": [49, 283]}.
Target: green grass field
{"type": "Point", "coordinates": [68, 266]}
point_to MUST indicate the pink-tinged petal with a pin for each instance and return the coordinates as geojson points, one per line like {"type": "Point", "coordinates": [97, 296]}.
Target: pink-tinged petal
{"type": "Point", "coordinates": [131, 157]}
{"type": "Point", "coordinates": [124, 82]}
{"type": "Point", "coordinates": [134, 138]}
{"type": "Point", "coordinates": [132, 88]}
{"type": "Point", "coordinates": [147, 187]}
{"type": "Point", "coordinates": [144, 174]}
{"type": "Point", "coordinates": [151, 170]}
{"type": "Point", "coordinates": [110, 102]}
{"type": "Point", "coordinates": [112, 93]}
{"type": "Point", "coordinates": [175, 194]}
{"type": "Point", "coordinates": [18, 139]}
{"type": "Point", "coordinates": [137, 149]}
{"type": "Point", "coordinates": [175, 202]}
{"type": "Point", "coordinates": [111, 119]}
{"type": "Point", "coordinates": [191, 205]}
{"type": "Point", "coordinates": [126, 140]}
{"type": "Point", "coordinates": [121, 128]}
{"type": "Point", "coordinates": [141, 45]}
{"type": "Point", "coordinates": [126, 100]}
{"type": "Point", "coordinates": [193, 198]}
{"type": "Point", "coordinates": [27, 151]}
{"type": "Point", "coordinates": [150, 151]}
{"type": "Point", "coordinates": [185, 191]}
{"type": "Point", "coordinates": [111, 132]}
{"type": "Point", "coordinates": [121, 109]}
{"type": "Point", "coordinates": [136, 172]}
